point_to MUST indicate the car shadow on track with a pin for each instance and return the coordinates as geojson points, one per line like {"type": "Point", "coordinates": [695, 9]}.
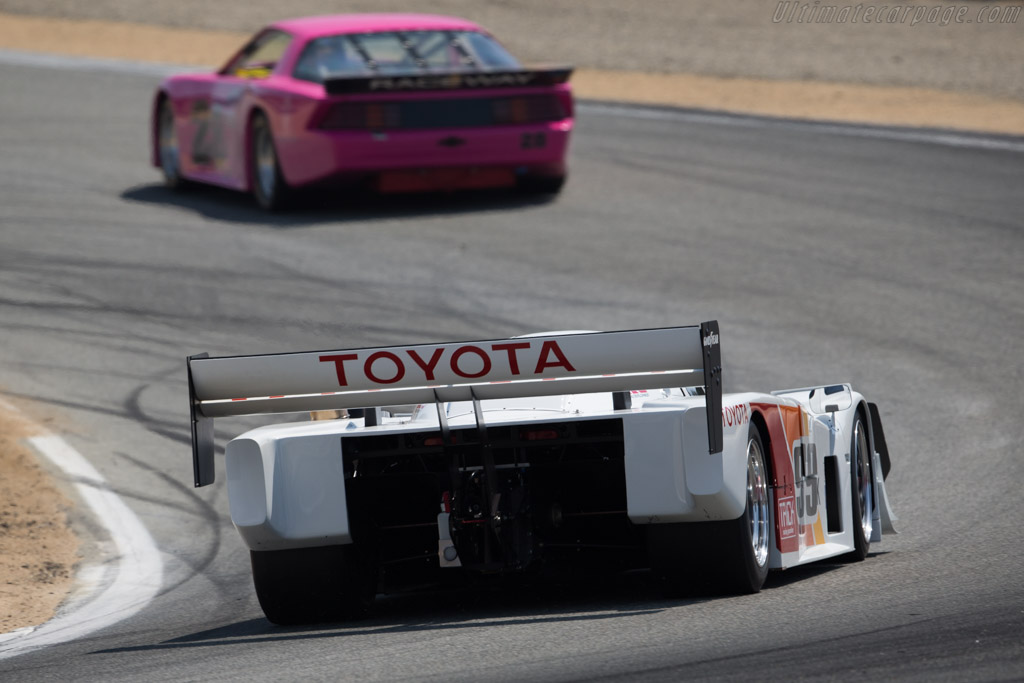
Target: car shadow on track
{"type": "Point", "coordinates": [589, 599]}
{"type": "Point", "coordinates": [796, 575]}
{"type": "Point", "coordinates": [458, 609]}
{"type": "Point", "coordinates": [313, 207]}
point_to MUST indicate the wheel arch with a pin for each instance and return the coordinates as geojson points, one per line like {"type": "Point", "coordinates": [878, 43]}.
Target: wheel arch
{"type": "Point", "coordinates": [766, 442]}
{"type": "Point", "coordinates": [877, 434]}
{"type": "Point", "coordinates": [771, 423]}
{"type": "Point", "coordinates": [757, 418]}
{"type": "Point", "coordinates": [772, 450]}
{"type": "Point", "coordinates": [862, 410]}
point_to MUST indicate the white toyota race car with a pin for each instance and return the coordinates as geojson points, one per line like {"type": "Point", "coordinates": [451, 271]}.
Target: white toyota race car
{"type": "Point", "coordinates": [610, 449]}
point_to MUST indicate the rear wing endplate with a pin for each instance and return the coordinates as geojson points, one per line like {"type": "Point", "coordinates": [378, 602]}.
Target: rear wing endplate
{"type": "Point", "coordinates": [460, 371]}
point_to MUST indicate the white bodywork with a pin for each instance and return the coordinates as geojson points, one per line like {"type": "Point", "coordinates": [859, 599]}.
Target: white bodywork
{"type": "Point", "coordinates": [286, 483]}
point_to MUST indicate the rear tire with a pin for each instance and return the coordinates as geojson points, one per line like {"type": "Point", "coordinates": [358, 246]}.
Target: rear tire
{"type": "Point", "coordinates": [268, 184]}
{"type": "Point", "coordinates": [730, 556]}
{"type": "Point", "coordinates": [862, 489]}
{"type": "Point", "coordinates": [168, 150]}
{"type": "Point", "coordinates": [745, 551]}
{"type": "Point", "coordinates": [311, 585]}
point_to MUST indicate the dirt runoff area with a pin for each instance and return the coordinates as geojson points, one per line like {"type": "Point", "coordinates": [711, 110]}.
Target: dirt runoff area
{"type": "Point", "coordinates": [938, 64]}
{"type": "Point", "coordinates": [38, 550]}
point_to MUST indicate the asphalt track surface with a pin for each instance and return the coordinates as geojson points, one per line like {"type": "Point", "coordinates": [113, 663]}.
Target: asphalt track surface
{"type": "Point", "coordinates": [826, 254]}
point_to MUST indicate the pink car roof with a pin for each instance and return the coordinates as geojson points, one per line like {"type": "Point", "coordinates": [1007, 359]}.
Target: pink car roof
{"type": "Point", "coordinates": [314, 27]}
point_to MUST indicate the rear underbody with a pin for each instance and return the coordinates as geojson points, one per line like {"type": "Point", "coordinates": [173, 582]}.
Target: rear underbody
{"type": "Point", "coordinates": [514, 499]}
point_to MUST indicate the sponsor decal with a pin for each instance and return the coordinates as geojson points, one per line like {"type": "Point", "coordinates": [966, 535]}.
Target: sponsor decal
{"type": "Point", "coordinates": [468, 361]}
{"type": "Point", "coordinates": [450, 81]}
{"type": "Point", "coordinates": [733, 416]}
{"type": "Point", "coordinates": [787, 517]}
{"type": "Point", "coordinates": [781, 421]}
{"type": "Point", "coordinates": [710, 340]}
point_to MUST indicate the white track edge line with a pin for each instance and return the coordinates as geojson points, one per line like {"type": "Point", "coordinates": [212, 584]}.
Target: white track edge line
{"type": "Point", "coordinates": [138, 567]}
{"type": "Point", "coordinates": [951, 138]}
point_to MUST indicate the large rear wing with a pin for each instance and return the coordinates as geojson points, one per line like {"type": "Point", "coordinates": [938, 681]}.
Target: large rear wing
{"type": "Point", "coordinates": [459, 371]}
{"type": "Point", "coordinates": [453, 80]}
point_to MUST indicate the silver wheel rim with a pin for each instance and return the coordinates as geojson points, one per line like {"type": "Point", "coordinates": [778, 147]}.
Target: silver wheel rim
{"type": "Point", "coordinates": [757, 502]}
{"type": "Point", "coordinates": [168, 143]}
{"type": "Point", "coordinates": [862, 469]}
{"type": "Point", "coordinates": [266, 163]}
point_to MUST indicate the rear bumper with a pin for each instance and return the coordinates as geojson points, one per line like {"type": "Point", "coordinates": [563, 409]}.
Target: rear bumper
{"type": "Point", "coordinates": [318, 155]}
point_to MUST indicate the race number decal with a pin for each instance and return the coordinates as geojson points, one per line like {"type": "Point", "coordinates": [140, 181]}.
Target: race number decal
{"type": "Point", "coordinates": [805, 459]}
{"type": "Point", "coordinates": [808, 492]}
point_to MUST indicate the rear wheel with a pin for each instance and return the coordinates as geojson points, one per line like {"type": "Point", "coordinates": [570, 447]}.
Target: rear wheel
{"type": "Point", "coordinates": [167, 146]}
{"type": "Point", "coordinates": [862, 493]}
{"type": "Point", "coordinates": [310, 585]}
{"type": "Point", "coordinates": [749, 562]}
{"type": "Point", "coordinates": [730, 556]}
{"type": "Point", "coordinates": [268, 184]}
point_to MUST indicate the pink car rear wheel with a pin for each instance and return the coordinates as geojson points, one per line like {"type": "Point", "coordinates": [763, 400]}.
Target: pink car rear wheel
{"type": "Point", "coordinates": [268, 184]}
{"type": "Point", "coordinates": [167, 146]}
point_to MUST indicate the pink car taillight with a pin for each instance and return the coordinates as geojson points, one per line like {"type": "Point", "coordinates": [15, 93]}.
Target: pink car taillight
{"type": "Point", "coordinates": [528, 109]}
{"type": "Point", "coordinates": [363, 115]}
{"type": "Point", "coordinates": [445, 113]}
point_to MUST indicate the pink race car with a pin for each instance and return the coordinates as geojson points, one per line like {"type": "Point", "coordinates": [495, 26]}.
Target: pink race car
{"type": "Point", "coordinates": [401, 102]}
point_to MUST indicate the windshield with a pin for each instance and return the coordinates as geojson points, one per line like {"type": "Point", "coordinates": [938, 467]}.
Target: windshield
{"type": "Point", "coordinates": [362, 54]}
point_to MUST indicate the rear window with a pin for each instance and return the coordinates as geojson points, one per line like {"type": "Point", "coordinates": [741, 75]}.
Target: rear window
{"type": "Point", "coordinates": [362, 54]}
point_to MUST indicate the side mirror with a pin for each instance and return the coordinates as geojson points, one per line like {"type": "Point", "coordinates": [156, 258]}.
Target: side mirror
{"type": "Point", "coordinates": [831, 399]}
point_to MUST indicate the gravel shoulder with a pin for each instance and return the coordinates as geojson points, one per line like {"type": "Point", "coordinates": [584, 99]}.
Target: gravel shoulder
{"type": "Point", "coordinates": [38, 549]}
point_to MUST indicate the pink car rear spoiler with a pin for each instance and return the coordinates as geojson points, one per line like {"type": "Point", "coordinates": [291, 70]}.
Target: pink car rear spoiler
{"type": "Point", "coordinates": [461, 80]}
{"type": "Point", "coordinates": [573, 363]}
